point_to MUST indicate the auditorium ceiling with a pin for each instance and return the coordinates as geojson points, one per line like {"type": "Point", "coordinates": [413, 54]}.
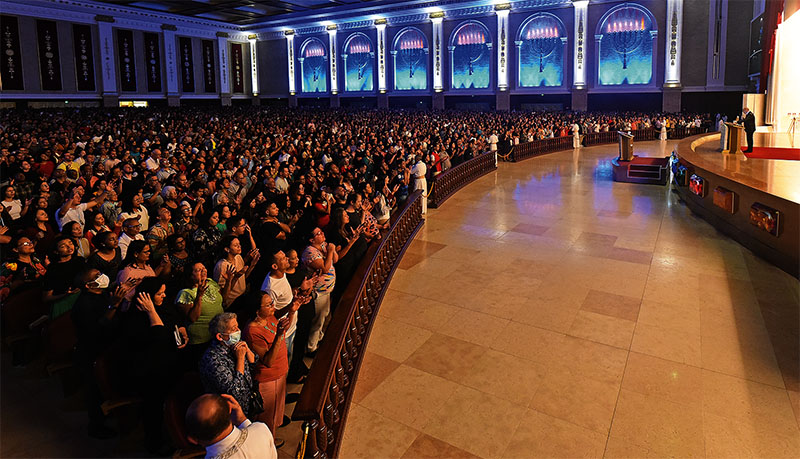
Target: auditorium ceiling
{"type": "Point", "coordinates": [247, 12]}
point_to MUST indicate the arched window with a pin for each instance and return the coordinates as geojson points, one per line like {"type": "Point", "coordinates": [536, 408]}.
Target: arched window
{"type": "Point", "coordinates": [626, 38]}
{"type": "Point", "coordinates": [410, 55]}
{"type": "Point", "coordinates": [313, 66]}
{"type": "Point", "coordinates": [359, 57]}
{"type": "Point", "coordinates": [470, 56]}
{"type": "Point", "coordinates": [540, 49]}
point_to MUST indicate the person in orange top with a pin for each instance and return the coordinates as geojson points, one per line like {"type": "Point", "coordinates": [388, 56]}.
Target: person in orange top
{"type": "Point", "coordinates": [265, 336]}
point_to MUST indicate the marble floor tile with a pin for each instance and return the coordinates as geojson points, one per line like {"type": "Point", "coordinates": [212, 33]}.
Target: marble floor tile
{"type": "Point", "coordinates": [446, 357]}
{"type": "Point", "coordinates": [369, 434]}
{"type": "Point", "coordinates": [667, 344]}
{"type": "Point", "coordinates": [665, 379]}
{"type": "Point", "coordinates": [622, 307]}
{"type": "Point", "coordinates": [541, 436]}
{"type": "Point", "coordinates": [425, 447]}
{"type": "Point", "coordinates": [409, 396]}
{"type": "Point", "coordinates": [396, 340]}
{"type": "Point", "coordinates": [374, 370]}
{"type": "Point", "coordinates": [661, 426]}
{"type": "Point", "coordinates": [602, 329]}
{"type": "Point", "coordinates": [476, 422]}
{"type": "Point", "coordinates": [588, 359]}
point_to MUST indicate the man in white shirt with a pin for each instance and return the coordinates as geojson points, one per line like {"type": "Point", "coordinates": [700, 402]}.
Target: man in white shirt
{"type": "Point", "coordinates": [218, 423]}
{"type": "Point", "coordinates": [277, 286]}
{"type": "Point", "coordinates": [493, 142]}
{"type": "Point", "coordinates": [418, 172]}
{"type": "Point", "coordinates": [130, 232]}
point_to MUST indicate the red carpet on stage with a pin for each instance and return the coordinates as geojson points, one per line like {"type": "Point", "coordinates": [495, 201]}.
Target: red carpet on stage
{"type": "Point", "coordinates": [792, 154]}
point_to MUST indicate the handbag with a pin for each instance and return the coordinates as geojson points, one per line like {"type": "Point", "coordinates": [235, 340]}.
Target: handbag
{"type": "Point", "coordinates": [256, 403]}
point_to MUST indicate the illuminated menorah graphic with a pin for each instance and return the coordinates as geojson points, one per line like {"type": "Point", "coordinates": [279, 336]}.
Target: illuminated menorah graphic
{"type": "Point", "coordinates": [359, 52]}
{"type": "Point", "coordinates": [626, 36]}
{"type": "Point", "coordinates": [474, 40]}
{"type": "Point", "coordinates": [543, 42]}
{"type": "Point", "coordinates": [315, 64]}
{"type": "Point", "coordinates": [410, 53]}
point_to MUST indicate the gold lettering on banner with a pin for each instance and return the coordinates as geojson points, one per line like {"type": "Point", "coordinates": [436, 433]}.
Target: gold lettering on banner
{"type": "Point", "coordinates": [673, 44]}
{"type": "Point", "coordinates": [503, 46]}
{"type": "Point", "coordinates": [580, 44]}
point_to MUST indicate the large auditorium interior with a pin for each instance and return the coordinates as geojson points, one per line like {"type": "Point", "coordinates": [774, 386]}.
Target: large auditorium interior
{"type": "Point", "coordinates": [384, 229]}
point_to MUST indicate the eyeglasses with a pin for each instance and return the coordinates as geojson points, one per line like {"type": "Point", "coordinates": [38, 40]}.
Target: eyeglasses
{"type": "Point", "coordinates": [25, 244]}
{"type": "Point", "coordinates": [134, 226]}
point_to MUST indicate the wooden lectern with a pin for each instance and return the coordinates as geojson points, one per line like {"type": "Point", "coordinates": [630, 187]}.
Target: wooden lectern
{"type": "Point", "coordinates": [625, 146]}
{"type": "Point", "coordinates": [734, 141]}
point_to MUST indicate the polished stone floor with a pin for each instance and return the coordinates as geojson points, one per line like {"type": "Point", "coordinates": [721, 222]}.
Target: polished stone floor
{"type": "Point", "coordinates": [547, 311]}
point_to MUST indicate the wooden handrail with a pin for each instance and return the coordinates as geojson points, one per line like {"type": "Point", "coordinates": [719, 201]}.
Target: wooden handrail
{"type": "Point", "coordinates": [540, 147]}
{"type": "Point", "coordinates": [326, 395]}
{"type": "Point", "coordinates": [448, 182]}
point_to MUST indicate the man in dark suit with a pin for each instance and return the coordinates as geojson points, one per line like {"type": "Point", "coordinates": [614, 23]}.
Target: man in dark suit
{"type": "Point", "coordinates": [749, 122]}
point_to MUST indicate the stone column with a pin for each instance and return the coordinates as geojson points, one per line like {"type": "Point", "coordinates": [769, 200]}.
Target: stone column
{"type": "Point", "coordinates": [171, 64]}
{"type": "Point", "coordinates": [579, 84]}
{"type": "Point", "coordinates": [224, 72]}
{"type": "Point", "coordinates": [334, 70]}
{"type": "Point", "coordinates": [502, 97]}
{"type": "Point", "coordinates": [438, 61]}
{"type": "Point", "coordinates": [108, 64]}
{"type": "Point", "coordinates": [290, 57]}
{"type": "Point", "coordinates": [671, 96]}
{"type": "Point", "coordinates": [252, 41]}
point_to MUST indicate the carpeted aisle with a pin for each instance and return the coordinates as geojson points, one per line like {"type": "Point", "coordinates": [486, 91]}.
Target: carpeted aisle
{"type": "Point", "coordinates": [790, 154]}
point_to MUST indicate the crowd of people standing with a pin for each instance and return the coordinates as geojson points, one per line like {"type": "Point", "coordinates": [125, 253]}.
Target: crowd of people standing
{"type": "Point", "coordinates": [220, 240]}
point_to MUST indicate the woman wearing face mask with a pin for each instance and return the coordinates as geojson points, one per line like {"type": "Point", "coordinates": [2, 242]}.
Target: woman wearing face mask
{"type": "Point", "coordinates": [200, 302]}
{"type": "Point", "coordinates": [148, 332]}
{"type": "Point", "coordinates": [225, 366]}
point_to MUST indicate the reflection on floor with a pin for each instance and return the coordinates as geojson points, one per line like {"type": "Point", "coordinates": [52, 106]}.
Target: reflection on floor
{"type": "Point", "coordinates": [546, 311]}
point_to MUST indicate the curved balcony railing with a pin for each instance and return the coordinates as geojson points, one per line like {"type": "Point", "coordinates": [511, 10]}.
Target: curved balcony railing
{"type": "Point", "coordinates": [448, 182]}
{"type": "Point", "coordinates": [540, 147]}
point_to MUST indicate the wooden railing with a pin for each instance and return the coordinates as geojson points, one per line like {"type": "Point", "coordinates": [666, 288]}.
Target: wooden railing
{"type": "Point", "coordinates": [544, 146]}
{"type": "Point", "coordinates": [448, 182]}
{"type": "Point", "coordinates": [326, 395]}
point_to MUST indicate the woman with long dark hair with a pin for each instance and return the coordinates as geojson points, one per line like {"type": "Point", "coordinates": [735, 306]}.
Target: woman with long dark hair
{"type": "Point", "coordinates": [207, 237]}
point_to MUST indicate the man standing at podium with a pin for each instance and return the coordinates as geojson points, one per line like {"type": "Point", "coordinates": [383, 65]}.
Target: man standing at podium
{"type": "Point", "coordinates": [749, 122]}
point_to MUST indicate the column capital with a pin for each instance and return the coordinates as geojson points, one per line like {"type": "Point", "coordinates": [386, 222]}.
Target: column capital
{"type": "Point", "coordinates": [223, 34]}
{"type": "Point", "coordinates": [104, 18]}
{"type": "Point", "coordinates": [171, 27]}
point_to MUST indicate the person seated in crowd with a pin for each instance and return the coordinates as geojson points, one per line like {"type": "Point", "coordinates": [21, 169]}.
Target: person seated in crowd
{"type": "Point", "coordinates": [58, 290]}
{"type": "Point", "coordinates": [131, 231]}
{"type": "Point", "coordinates": [136, 267]}
{"type": "Point", "coordinates": [107, 256]}
{"type": "Point", "coordinates": [225, 367]}
{"type": "Point", "coordinates": [74, 231]}
{"type": "Point", "coordinates": [218, 423]}
{"type": "Point", "coordinates": [22, 271]}
{"type": "Point", "coordinates": [200, 302]}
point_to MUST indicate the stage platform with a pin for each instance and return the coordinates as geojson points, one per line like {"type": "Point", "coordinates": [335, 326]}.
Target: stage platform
{"type": "Point", "coordinates": [756, 201]}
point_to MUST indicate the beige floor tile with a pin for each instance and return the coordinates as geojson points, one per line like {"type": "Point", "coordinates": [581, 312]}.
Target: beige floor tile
{"type": "Point", "coordinates": [527, 342]}
{"type": "Point", "coordinates": [733, 438]}
{"type": "Point", "coordinates": [504, 376]}
{"type": "Point", "coordinates": [602, 329]}
{"type": "Point", "coordinates": [768, 407]}
{"type": "Point", "coordinates": [619, 306]}
{"type": "Point", "coordinates": [540, 435]}
{"type": "Point", "coordinates": [670, 316]}
{"type": "Point", "coordinates": [447, 357]}
{"type": "Point", "coordinates": [667, 344]}
{"type": "Point", "coordinates": [374, 370]}
{"type": "Point", "coordinates": [409, 396]}
{"type": "Point", "coordinates": [369, 435]}
{"type": "Point", "coordinates": [420, 312]}
{"type": "Point", "coordinates": [583, 401]}
{"type": "Point", "coordinates": [665, 379]}
{"type": "Point", "coordinates": [621, 449]}
{"type": "Point", "coordinates": [396, 340]}
{"type": "Point", "coordinates": [663, 427]}
{"type": "Point", "coordinates": [426, 446]}
{"type": "Point", "coordinates": [476, 422]}
{"type": "Point", "coordinates": [756, 363]}
{"type": "Point", "coordinates": [550, 314]}
{"type": "Point", "coordinates": [794, 397]}
{"type": "Point", "coordinates": [474, 327]}
{"type": "Point", "coordinates": [588, 359]}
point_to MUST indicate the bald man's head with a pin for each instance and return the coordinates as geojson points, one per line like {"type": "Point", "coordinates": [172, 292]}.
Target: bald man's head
{"type": "Point", "coordinates": [208, 417]}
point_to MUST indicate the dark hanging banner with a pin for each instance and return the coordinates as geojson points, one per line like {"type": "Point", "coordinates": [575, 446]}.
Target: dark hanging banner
{"type": "Point", "coordinates": [152, 62]}
{"type": "Point", "coordinates": [209, 78]}
{"type": "Point", "coordinates": [187, 66]}
{"type": "Point", "coordinates": [238, 67]}
{"type": "Point", "coordinates": [49, 62]}
{"type": "Point", "coordinates": [84, 62]}
{"type": "Point", "coordinates": [127, 65]}
{"type": "Point", "coordinates": [11, 63]}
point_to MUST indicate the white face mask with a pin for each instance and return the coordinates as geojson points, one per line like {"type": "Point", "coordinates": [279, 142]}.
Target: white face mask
{"type": "Point", "coordinates": [234, 338]}
{"type": "Point", "coordinates": [101, 281]}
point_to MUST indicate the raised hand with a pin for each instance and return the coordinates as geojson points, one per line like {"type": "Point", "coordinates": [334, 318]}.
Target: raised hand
{"type": "Point", "coordinates": [145, 303]}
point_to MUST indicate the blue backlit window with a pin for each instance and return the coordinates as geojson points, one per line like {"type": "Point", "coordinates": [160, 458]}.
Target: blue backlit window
{"type": "Point", "coordinates": [540, 46]}
{"type": "Point", "coordinates": [471, 56]}
{"type": "Point", "coordinates": [313, 66]}
{"type": "Point", "coordinates": [359, 57]}
{"type": "Point", "coordinates": [410, 55]}
{"type": "Point", "coordinates": [626, 36]}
